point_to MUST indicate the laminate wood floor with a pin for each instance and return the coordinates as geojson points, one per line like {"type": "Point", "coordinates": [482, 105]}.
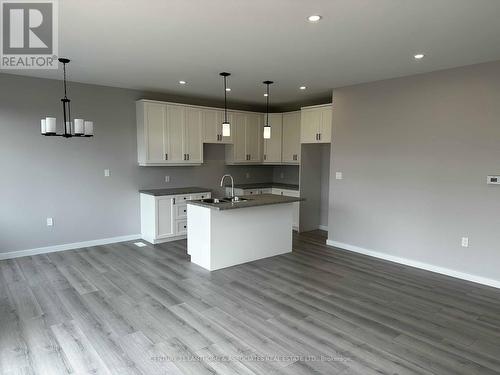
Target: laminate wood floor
{"type": "Point", "coordinates": [121, 309]}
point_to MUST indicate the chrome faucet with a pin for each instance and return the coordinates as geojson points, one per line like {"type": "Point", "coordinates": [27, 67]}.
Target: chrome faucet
{"type": "Point", "coordinates": [232, 183]}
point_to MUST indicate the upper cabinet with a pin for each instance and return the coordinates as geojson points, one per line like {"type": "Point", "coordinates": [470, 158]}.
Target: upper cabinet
{"type": "Point", "coordinates": [168, 134]}
{"type": "Point", "coordinates": [246, 130]}
{"type": "Point", "coordinates": [316, 124]}
{"type": "Point", "coordinates": [273, 145]}
{"type": "Point", "coordinates": [173, 134]}
{"type": "Point", "coordinates": [291, 138]}
{"type": "Point", "coordinates": [212, 126]}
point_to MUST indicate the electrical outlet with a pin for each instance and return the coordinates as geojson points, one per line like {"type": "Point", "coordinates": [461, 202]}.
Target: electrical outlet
{"type": "Point", "coordinates": [247, 175]}
{"type": "Point", "coordinates": [338, 176]}
{"type": "Point", "coordinates": [282, 175]}
{"type": "Point", "coordinates": [167, 178]}
{"type": "Point", "coordinates": [107, 173]}
{"type": "Point", "coordinates": [465, 241]}
{"type": "Point", "coordinates": [50, 222]}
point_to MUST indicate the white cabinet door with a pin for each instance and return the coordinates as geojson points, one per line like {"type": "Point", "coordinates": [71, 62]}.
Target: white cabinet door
{"type": "Point", "coordinates": [309, 125]}
{"type": "Point", "coordinates": [291, 137]}
{"type": "Point", "coordinates": [316, 124]}
{"type": "Point", "coordinates": [175, 133]}
{"type": "Point", "coordinates": [272, 146]}
{"type": "Point", "coordinates": [164, 217]}
{"type": "Point", "coordinates": [193, 144]}
{"type": "Point", "coordinates": [254, 137]}
{"type": "Point", "coordinates": [211, 133]}
{"type": "Point", "coordinates": [325, 130]}
{"type": "Point", "coordinates": [155, 132]}
{"type": "Point", "coordinates": [212, 126]}
{"type": "Point", "coordinates": [238, 130]}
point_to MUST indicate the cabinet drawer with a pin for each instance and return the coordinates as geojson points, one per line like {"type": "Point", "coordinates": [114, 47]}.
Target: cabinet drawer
{"type": "Point", "coordinates": [201, 196]}
{"type": "Point", "coordinates": [251, 191]}
{"type": "Point", "coordinates": [291, 193]}
{"type": "Point", "coordinates": [277, 191]}
{"type": "Point", "coordinates": [180, 211]}
{"type": "Point", "coordinates": [180, 199]}
{"type": "Point", "coordinates": [181, 227]}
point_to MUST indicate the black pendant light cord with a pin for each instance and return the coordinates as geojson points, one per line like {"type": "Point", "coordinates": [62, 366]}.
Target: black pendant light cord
{"type": "Point", "coordinates": [267, 106]}
{"type": "Point", "coordinates": [225, 75]}
{"type": "Point", "coordinates": [225, 100]}
{"type": "Point", "coordinates": [64, 75]}
{"type": "Point", "coordinates": [267, 83]}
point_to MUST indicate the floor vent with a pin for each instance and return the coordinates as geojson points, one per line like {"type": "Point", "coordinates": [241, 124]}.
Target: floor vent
{"type": "Point", "coordinates": [140, 244]}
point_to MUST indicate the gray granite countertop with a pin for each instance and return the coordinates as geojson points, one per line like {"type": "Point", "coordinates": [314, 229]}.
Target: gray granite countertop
{"type": "Point", "coordinates": [174, 191]}
{"type": "Point", "coordinates": [252, 201]}
{"type": "Point", "coordinates": [263, 185]}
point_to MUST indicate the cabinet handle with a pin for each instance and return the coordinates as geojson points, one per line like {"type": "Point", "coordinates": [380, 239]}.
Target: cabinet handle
{"type": "Point", "coordinates": [265, 157]}
{"type": "Point", "coordinates": [166, 156]}
{"type": "Point", "coordinates": [173, 201]}
{"type": "Point", "coordinates": [319, 136]}
{"type": "Point", "coordinates": [187, 156]}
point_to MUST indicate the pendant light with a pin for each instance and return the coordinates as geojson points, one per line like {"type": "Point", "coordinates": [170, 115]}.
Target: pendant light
{"type": "Point", "coordinates": [81, 127]}
{"type": "Point", "coordinates": [226, 126]}
{"type": "Point", "coordinates": [267, 127]}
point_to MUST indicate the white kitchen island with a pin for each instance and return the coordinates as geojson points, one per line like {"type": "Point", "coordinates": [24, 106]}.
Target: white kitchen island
{"type": "Point", "coordinates": [226, 234]}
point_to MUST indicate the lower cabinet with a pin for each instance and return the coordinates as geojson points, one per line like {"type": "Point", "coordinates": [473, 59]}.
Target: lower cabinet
{"type": "Point", "coordinates": [164, 218]}
{"type": "Point", "coordinates": [296, 205]}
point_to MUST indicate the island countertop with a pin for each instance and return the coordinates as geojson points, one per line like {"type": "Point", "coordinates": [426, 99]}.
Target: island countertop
{"type": "Point", "coordinates": [175, 191]}
{"type": "Point", "coordinates": [253, 201]}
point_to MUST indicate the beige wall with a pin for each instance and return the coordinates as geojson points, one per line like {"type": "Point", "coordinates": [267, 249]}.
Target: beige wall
{"type": "Point", "coordinates": [415, 153]}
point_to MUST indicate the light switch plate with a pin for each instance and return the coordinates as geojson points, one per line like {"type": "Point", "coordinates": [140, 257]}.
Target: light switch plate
{"type": "Point", "coordinates": [50, 222]}
{"type": "Point", "coordinates": [167, 178]}
{"type": "Point", "coordinates": [107, 173]}
{"type": "Point", "coordinates": [465, 241]}
{"type": "Point", "coordinates": [338, 176]}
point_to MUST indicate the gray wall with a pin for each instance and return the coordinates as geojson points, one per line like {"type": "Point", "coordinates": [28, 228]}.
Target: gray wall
{"type": "Point", "coordinates": [415, 153]}
{"type": "Point", "coordinates": [325, 184]}
{"type": "Point", "coordinates": [53, 177]}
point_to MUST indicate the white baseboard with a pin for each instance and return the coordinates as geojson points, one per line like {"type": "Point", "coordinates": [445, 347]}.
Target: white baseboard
{"type": "Point", "coordinates": [68, 246]}
{"type": "Point", "coordinates": [414, 263]}
{"type": "Point", "coordinates": [324, 227]}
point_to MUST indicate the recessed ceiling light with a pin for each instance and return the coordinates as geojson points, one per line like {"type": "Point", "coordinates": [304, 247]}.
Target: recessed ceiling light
{"type": "Point", "coordinates": [228, 89]}
{"type": "Point", "coordinates": [182, 82]}
{"type": "Point", "coordinates": [418, 56]}
{"type": "Point", "coordinates": [302, 87]}
{"type": "Point", "coordinates": [314, 18]}
{"type": "Point", "coordinates": [265, 94]}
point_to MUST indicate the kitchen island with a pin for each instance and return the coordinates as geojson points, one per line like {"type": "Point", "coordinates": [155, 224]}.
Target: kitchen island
{"type": "Point", "coordinates": [225, 234]}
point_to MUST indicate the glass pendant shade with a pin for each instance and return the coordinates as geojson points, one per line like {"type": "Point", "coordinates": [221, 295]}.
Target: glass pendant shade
{"type": "Point", "coordinates": [267, 132]}
{"type": "Point", "coordinates": [226, 129]}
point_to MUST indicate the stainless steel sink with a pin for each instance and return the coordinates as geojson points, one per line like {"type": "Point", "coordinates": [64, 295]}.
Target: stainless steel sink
{"type": "Point", "coordinates": [215, 200]}
{"type": "Point", "coordinates": [235, 199]}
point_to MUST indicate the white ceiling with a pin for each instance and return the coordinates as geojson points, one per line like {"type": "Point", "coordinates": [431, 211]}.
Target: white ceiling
{"type": "Point", "coordinates": [152, 44]}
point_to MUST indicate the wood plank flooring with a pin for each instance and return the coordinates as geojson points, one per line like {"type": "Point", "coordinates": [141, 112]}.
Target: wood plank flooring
{"type": "Point", "coordinates": [121, 309]}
